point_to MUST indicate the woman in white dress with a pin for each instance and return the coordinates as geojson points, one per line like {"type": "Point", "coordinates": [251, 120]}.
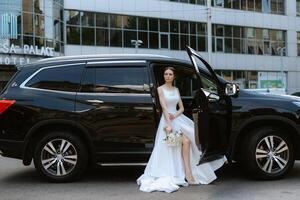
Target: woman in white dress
{"type": "Point", "coordinates": [171, 167]}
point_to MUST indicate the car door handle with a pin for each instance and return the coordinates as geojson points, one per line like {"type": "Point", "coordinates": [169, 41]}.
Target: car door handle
{"type": "Point", "coordinates": [94, 101]}
{"type": "Point", "coordinates": [197, 110]}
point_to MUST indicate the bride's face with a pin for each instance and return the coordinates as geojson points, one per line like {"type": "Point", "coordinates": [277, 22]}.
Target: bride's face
{"type": "Point", "coordinates": [169, 76]}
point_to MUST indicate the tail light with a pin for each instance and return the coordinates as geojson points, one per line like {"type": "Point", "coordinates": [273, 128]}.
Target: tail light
{"type": "Point", "coordinates": [5, 104]}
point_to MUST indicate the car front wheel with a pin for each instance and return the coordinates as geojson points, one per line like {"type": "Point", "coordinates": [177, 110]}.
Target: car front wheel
{"type": "Point", "coordinates": [60, 157]}
{"type": "Point", "coordinates": [268, 153]}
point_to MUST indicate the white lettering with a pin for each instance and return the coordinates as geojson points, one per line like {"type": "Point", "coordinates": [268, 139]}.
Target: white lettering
{"type": "Point", "coordinates": [5, 48]}
{"type": "Point", "coordinates": [31, 50]}
{"type": "Point", "coordinates": [14, 60]}
{"type": "Point", "coordinates": [7, 61]}
{"type": "Point", "coordinates": [26, 49]}
{"type": "Point", "coordinates": [12, 49]}
{"type": "Point", "coordinates": [50, 51]}
{"type": "Point", "coordinates": [43, 51]}
{"type": "Point", "coordinates": [21, 61]}
{"type": "Point", "coordinates": [28, 60]}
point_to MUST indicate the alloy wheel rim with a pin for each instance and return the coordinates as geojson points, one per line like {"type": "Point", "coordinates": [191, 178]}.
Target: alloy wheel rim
{"type": "Point", "coordinates": [59, 157]}
{"type": "Point", "coordinates": [272, 154]}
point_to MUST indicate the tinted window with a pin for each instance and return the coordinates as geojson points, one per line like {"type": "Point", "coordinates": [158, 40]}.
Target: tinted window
{"type": "Point", "coordinates": [65, 78]}
{"type": "Point", "coordinates": [115, 80]}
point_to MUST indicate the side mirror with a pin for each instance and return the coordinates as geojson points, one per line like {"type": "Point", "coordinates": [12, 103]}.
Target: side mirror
{"type": "Point", "coordinates": [232, 89]}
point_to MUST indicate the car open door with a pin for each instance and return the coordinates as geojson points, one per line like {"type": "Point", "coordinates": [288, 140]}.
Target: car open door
{"type": "Point", "coordinates": [212, 111]}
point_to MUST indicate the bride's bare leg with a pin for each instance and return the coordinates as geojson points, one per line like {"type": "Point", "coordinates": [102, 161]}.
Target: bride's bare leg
{"type": "Point", "coordinates": [186, 143]}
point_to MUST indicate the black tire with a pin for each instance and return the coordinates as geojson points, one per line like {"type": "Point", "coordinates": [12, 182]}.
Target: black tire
{"type": "Point", "coordinates": [259, 161]}
{"type": "Point", "coordinates": [68, 164]}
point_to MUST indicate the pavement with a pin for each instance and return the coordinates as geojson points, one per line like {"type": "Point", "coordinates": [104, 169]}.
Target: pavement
{"type": "Point", "coordinates": [18, 182]}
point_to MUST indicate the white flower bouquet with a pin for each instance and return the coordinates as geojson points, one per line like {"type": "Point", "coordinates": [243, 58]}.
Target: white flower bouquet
{"type": "Point", "coordinates": [173, 139]}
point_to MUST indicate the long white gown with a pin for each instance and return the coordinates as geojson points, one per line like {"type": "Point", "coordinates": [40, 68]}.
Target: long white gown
{"type": "Point", "coordinates": [165, 169]}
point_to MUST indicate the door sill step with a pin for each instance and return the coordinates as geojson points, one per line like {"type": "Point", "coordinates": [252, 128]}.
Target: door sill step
{"type": "Point", "coordinates": [121, 164]}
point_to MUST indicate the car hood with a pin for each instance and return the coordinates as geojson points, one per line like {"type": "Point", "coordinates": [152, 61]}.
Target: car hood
{"type": "Point", "coordinates": [261, 95]}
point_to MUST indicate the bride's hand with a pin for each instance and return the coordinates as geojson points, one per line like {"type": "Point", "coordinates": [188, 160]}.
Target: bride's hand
{"type": "Point", "coordinates": [168, 129]}
{"type": "Point", "coordinates": [171, 116]}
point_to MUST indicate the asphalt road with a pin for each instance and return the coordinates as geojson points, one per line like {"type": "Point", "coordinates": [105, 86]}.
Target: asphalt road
{"type": "Point", "coordinates": [20, 182]}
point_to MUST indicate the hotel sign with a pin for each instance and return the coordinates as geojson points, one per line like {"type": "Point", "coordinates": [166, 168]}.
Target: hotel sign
{"type": "Point", "coordinates": [7, 53]}
{"type": "Point", "coordinates": [26, 49]}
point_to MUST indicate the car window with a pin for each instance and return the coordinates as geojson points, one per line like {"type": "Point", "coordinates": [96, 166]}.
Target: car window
{"type": "Point", "coordinates": [62, 78]}
{"type": "Point", "coordinates": [208, 84]}
{"type": "Point", "coordinates": [186, 82]}
{"type": "Point", "coordinates": [115, 80]}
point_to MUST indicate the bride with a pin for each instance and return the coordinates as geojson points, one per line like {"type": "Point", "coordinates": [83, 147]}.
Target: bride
{"type": "Point", "coordinates": [171, 167]}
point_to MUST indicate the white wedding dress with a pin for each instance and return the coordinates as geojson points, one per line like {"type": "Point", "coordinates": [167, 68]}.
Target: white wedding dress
{"type": "Point", "coordinates": [165, 169]}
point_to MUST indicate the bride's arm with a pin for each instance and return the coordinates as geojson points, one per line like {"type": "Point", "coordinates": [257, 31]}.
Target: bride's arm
{"type": "Point", "coordinates": [181, 107]}
{"type": "Point", "coordinates": [163, 106]}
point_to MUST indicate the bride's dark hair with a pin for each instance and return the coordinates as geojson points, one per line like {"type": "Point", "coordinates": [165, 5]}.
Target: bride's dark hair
{"type": "Point", "coordinates": [172, 69]}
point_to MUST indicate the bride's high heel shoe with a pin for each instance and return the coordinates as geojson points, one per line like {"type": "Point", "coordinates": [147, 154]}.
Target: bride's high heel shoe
{"type": "Point", "coordinates": [193, 182]}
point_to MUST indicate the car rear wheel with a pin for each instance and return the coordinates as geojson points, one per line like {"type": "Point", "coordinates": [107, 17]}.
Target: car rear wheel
{"type": "Point", "coordinates": [60, 157]}
{"type": "Point", "coordinates": [267, 153]}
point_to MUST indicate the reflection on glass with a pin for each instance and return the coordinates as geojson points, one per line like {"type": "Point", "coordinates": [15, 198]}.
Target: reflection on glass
{"type": "Point", "coordinates": [73, 35]}
{"type": "Point", "coordinates": [143, 36]}
{"type": "Point", "coordinates": [184, 40]}
{"type": "Point", "coordinates": [115, 38]}
{"type": "Point", "coordinates": [129, 22]}
{"type": "Point", "coordinates": [192, 27]}
{"type": "Point", "coordinates": [27, 24]}
{"type": "Point", "coordinates": [174, 41]}
{"type": "Point", "coordinates": [39, 42]}
{"type": "Point", "coordinates": [251, 5]}
{"type": "Point", "coordinates": [236, 46]}
{"type": "Point", "coordinates": [27, 40]}
{"type": "Point", "coordinates": [266, 6]}
{"type": "Point", "coordinates": [39, 25]}
{"type": "Point", "coordinates": [128, 36]}
{"type": "Point", "coordinates": [27, 5]}
{"type": "Point", "coordinates": [72, 17]}
{"type": "Point", "coordinates": [201, 29]}
{"type": "Point", "coordinates": [164, 41]}
{"type": "Point", "coordinates": [39, 6]}
{"type": "Point", "coordinates": [88, 36]}
{"type": "Point", "coordinates": [184, 27]}
{"type": "Point", "coordinates": [87, 19]}
{"type": "Point", "coordinates": [236, 4]}
{"type": "Point", "coordinates": [228, 45]}
{"type": "Point", "coordinates": [174, 24]}
{"type": "Point", "coordinates": [260, 47]}
{"type": "Point", "coordinates": [115, 21]}
{"type": "Point", "coordinates": [193, 42]}
{"type": "Point", "coordinates": [101, 20]}
{"type": "Point", "coordinates": [164, 25]}
{"type": "Point", "coordinates": [102, 37]}
{"type": "Point", "coordinates": [143, 23]}
{"type": "Point", "coordinates": [201, 43]}
{"type": "Point", "coordinates": [258, 6]}
{"type": "Point", "coordinates": [153, 24]}
{"type": "Point", "coordinates": [153, 40]}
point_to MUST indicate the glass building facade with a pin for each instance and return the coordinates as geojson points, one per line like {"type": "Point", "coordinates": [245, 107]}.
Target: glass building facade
{"type": "Point", "coordinates": [263, 6]}
{"type": "Point", "coordinates": [32, 22]}
{"type": "Point", "coordinates": [102, 29]}
{"type": "Point", "coordinates": [247, 40]}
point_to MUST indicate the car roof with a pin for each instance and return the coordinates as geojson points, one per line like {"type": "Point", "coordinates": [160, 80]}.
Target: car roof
{"type": "Point", "coordinates": [113, 57]}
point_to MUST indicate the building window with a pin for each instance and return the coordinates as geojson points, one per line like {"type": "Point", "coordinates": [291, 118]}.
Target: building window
{"type": "Point", "coordinates": [298, 43]}
{"type": "Point", "coordinates": [265, 6]}
{"type": "Point", "coordinates": [298, 7]}
{"type": "Point", "coordinates": [234, 39]}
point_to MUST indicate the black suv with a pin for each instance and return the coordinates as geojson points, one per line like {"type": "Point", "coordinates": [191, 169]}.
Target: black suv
{"type": "Point", "coordinates": [70, 112]}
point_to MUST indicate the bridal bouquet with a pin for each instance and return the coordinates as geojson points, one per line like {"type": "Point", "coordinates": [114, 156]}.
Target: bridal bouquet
{"type": "Point", "coordinates": [173, 139]}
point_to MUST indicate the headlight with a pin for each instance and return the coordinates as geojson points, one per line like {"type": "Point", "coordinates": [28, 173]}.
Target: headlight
{"type": "Point", "coordinates": [297, 103]}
